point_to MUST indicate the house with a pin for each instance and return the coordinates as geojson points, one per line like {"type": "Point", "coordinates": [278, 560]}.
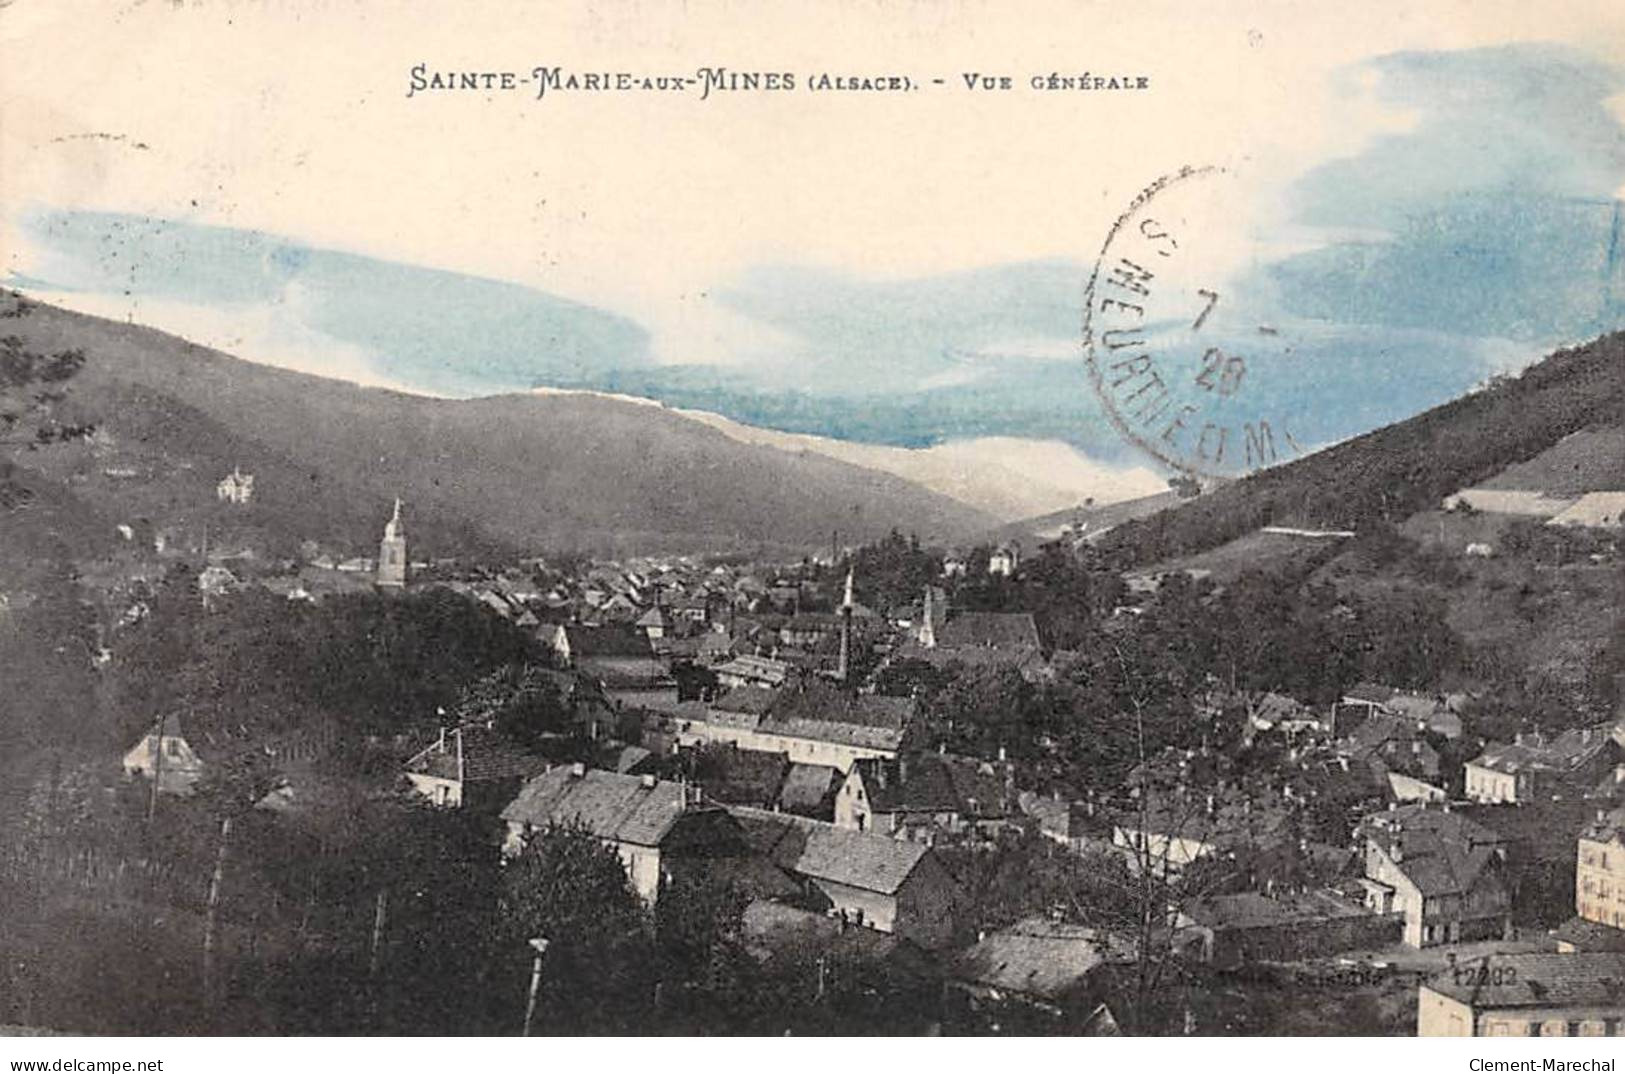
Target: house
{"type": "Point", "coordinates": [1067, 823]}
{"type": "Point", "coordinates": [165, 754]}
{"type": "Point", "coordinates": [1175, 828]}
{"type": "Point", "coordinates": [809, 790]}
{"type": "Point", "coordinates": [1599, 880]}
{"type": "Point", "coordinates": [1236, 929]}
{"type": "Point", "coordinates": [1536, 766]}
{"type": "Point", "coordinates": [658, 828]}
{"type": "Point", "coordinates": [1359, 704]}
{"type": "Point", "coordinates": [655, 623]}
{"type": "Point", "coordinates": [1004, 560]}
{"type": "Point", "coordinates": [1444, 872]}
{"type": "Point", "coordinates": [178, 753]}
{"type": "Point", "coordinates": [753, 671]}
{"type": "Point", "coordinates": [809, 630]}
{"type": "Point", "coordinates": [236, 487]}
{"type": "Point", "coordinates": [1526, 995]}
{"type": "Point", "coordinates": [926, 796]}
{"type": "Point", "coordinates": [1398, 744]}
{"type": "Point", "coordinates": [613, 655]}
{"type": "Point", "coordinates": [816, 723]}
{"type": "Point", "coordinates": [889, 885]}
{"type": "Point", "coordinates": [1039, 976]}
{"type": "Point", "coordinates": [974, 638]}
{"type": "Point", "coordinates": [733, 776]}
{"type": "Point", "coordinates": [1277, 712]}
{"type": "Point", "coordinates": [472, 765]}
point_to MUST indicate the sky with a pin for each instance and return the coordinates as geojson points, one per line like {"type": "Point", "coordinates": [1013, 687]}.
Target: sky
{"type": "Point", "coordinates": [1423, 198]}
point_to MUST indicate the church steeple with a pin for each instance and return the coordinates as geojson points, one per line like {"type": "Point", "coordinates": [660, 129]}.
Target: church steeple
{"type": "Point", "coordinates": [844, 668]}
{"type": "Point", "coordinates": [392, 551]}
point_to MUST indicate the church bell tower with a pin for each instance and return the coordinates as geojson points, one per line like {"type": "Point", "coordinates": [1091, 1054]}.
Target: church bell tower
{"type": "Point", "coordinates": [392, 552]}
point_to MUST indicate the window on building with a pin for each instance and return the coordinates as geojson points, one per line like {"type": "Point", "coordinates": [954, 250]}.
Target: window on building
{"type": "Point", "coordinates": [1596, 1027]}
{"type": "Point", "coordinates": [1500, 1029]}
{"type": "Point", "coordinates": [172, 748]}
{"type": "Point", "coordinates": [1553, 1027]}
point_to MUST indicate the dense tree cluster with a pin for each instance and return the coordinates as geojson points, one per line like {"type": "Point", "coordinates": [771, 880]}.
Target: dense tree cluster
{"type": "Point", "coordinates": [369, 661]}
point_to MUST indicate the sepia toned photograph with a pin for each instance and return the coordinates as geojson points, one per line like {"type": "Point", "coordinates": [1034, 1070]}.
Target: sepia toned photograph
{"type": "Point", "coordinates": [724, 520]}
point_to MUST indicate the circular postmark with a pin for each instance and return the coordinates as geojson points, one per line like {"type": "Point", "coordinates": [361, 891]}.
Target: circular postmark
{"type": "Point", "coordinates": [1172, 354]}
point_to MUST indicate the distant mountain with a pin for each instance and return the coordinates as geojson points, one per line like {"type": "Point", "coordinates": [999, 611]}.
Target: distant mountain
{"type": "Point", "coordinates": [1084, 520]}
{"type": "Point", "coordinates": [516, 472]}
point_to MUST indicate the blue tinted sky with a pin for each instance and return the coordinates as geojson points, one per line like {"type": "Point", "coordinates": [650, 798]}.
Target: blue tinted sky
{"type": "Point", "coordinates": [1470, 235]}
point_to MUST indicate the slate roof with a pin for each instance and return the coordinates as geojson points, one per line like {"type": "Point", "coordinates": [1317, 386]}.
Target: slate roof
{"type": "Point", "coordinates": [1038, 958]}
{"type": "Point", "coordinates": [858, 859]}
{"type": "Point", "coordinates": [1590, 935]}
{"type": "Point", "coordinates": [763, 668]}
{"type": "Point", "coordinates": [610, 805]}
{"type": "Point", "coordinates": [826, 713]}
{"type": "Point", "coordinates": [747, 700]}
{"type": "Point", "coordinates": [606, 641]}
{"type": "Point", "coordinates": [934, 783]}
{"type": "Point", "coordinates": [1251, 909]}
{"type": "Point", "coordinates": [487, 755]}
{"type": "Point", "coordinates": [1370, 693]}
{"type": "Point", "coordinates": [990, 630]}
{"type": "Point", "coordinates": [1608, 827]}
{"type": "Point", "coordinates": [1541, 980]}
{"type": "Point", "coordinates": [1566, 752]}
{"type": "Point", "coordinates": [806, 786]}
{"type": "Point", "coordinates": [746, 777]}
{"type": "Point", "coordinates": [1442, 853]}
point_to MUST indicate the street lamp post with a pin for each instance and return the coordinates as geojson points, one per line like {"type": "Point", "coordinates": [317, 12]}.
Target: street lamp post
{"type": "Point", "coordinates": [540, 945]}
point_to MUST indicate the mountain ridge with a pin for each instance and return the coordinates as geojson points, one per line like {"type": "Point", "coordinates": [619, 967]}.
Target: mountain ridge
{"type": "Point", "coordinates": [524, 471]}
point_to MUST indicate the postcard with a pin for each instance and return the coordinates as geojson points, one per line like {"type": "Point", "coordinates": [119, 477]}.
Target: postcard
{"type": "Point", "coordinates": [738, 520]}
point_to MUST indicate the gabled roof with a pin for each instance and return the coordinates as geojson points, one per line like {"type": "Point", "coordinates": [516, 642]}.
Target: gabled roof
{"type": "Point", "coordinates": [654, 617]}
{"type": "Point", "coordinates": [828, 714]}
{"type": "Point", "coordinates": [626, 809]}
{"type": "Point", "coordinates": [756, 667]}
{"type": "Point", "coordinates": [807, 786]}
{"type": "Point", "coordinates": [858, 859]}
{"type": "Point", "coordinates": [935, 782]}
{"type": "Point", "coordinates": [1441, 852]}
{"type": "Point", "coordinates": [750, 700]}
{"type": "Point", "coordinates": [1041, 959]}
{"type": "Point", "coordinates": [1533, 752]}
{"type": "Point", "coordinates": [989, 630]}
{"type": "Point", "coordinates": [587, 641]}
{"type": "Point", "coordinates": [487, 755]}
{"type": "Point", "coordinates": [1541, 980]}
{"type": "Point", "coordinates": [1369, 693]}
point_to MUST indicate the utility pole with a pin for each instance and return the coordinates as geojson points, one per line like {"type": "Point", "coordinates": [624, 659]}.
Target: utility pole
{"type": "Point", "coordinates": [381, 908]}
{"type": "Point", "coordinates": [157, 767]}
{"type": "Point", "coordinates": [209, 917]}
{"type": "Point", "coordinates": [540, 945]}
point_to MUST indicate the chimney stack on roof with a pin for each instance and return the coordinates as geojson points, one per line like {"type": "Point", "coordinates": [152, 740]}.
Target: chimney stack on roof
{"type": "Point", "coordinates": [578, 770]}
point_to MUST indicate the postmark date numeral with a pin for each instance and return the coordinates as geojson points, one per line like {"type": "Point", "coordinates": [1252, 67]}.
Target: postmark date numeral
{"type": "Point", "coordinates": [1221, 372]}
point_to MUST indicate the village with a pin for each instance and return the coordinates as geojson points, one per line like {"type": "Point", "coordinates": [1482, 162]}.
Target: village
{"type": "Point", "coordinates": [824, 758]}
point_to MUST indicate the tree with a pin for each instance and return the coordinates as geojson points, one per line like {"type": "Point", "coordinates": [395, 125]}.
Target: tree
{"type": "Point", "coordinates": [32, 387]}
{"type": "Point", "coordinates": [697, 924]}
{"type": "Point", "coordinates": [571, 889]}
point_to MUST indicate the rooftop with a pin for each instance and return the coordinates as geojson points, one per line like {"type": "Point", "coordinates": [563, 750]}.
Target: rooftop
{"type": "Point", "coordinates": [1039, 958]}
{"type": "Point", "coordinates": [1539, 980]}
{"type": "Point", "coordinates": [610, 805]}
